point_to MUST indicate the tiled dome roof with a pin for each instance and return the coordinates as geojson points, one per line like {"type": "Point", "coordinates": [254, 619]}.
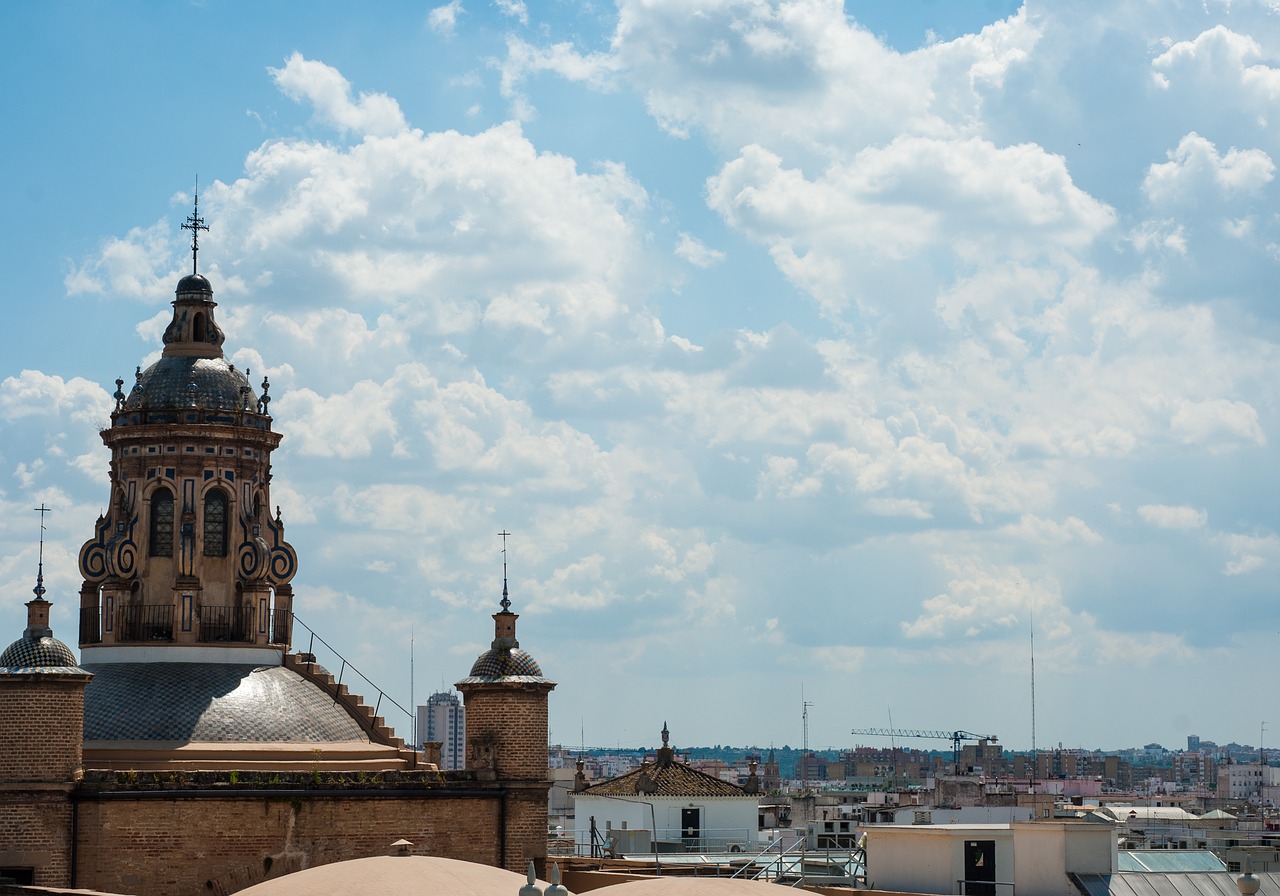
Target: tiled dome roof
{"type": "Point", "coordinates": [167, 384]}
{"type": "Point", "coordinates": [211, 703]}
{"type": "Point", "coordinates": [45, 652]}
{"type": "Point", "coordinates": [505, 663]}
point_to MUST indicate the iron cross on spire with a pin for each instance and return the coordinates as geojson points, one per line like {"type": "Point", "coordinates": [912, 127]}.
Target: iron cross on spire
{"type": "Point", "coordinates": [38, 591]}
{"type": "Point", "coordinates": [195, 224]}
{"type": "Point", "coordinates": [506, 600]}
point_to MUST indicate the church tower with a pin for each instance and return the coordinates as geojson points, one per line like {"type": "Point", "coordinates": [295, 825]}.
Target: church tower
{"type": "Point", "coordinates": [505, 697]}
{"type": "Point", "coordinates": [41, 736]}
{"type": "Point", "coordinates": [188, 555]}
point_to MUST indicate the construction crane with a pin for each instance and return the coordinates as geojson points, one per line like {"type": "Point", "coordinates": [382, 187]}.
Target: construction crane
{"type": "Point", "coordinates": [956, 737]}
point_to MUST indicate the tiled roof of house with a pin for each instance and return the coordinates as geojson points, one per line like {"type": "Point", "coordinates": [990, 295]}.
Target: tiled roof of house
{"type": "Point", "coordinates": [665, 779]}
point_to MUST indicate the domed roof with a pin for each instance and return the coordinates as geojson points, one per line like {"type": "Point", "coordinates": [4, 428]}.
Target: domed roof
{"type": "Point", "coordinates": [194, 283]}
{"type": "Point", "coordinates": [38, 652]}
{"type": "Point", "coordinates": [394, 875]}
{"type": "Point", "coordinates": [167, 384]}
{"type": "Point", "coordinates": [499, 662]}
{"type": "Point", "coordinates": [211, 703]}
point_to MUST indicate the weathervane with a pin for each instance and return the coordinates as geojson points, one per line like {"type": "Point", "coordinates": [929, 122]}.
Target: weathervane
{"type": "Point", "coordinates": [38, 591]}
{"type": "Point", "coordinates": [506, 601]}
{"type": "Point", "coordinates": [195, 224]}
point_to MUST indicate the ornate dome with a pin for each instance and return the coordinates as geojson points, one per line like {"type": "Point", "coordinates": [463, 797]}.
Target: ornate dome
{"type": "Point", "coordinates": [183, 381]}
{"type": "Point", "coordinates": [41, 652]}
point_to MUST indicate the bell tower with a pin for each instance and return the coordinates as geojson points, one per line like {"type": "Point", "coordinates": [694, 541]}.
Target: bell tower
{"type": "Point", "coordinates": [188, 554]}
{"type": "Point", "coordinates": [506, 705]}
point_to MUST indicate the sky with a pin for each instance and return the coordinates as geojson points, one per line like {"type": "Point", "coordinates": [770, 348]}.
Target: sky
{"type": "Point", "coordinates": [865, 356]}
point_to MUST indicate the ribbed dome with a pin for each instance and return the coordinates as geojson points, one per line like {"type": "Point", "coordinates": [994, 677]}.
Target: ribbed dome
{"type": "Point", "coordinates": [37, 653]}
{"type": "Point", "coordinates": [167, 383]}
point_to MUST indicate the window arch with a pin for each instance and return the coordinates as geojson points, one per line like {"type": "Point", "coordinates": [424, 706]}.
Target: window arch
{"type": "Point", "coordinates": [198, 333]}
{"type": "Point", "coordinates": [215, 523]}
{"type": "Point", "coordinates": [161, 530]}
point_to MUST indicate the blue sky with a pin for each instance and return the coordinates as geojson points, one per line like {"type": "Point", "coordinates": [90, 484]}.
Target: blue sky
{"type": "Point", "coordinates": [798, 345]}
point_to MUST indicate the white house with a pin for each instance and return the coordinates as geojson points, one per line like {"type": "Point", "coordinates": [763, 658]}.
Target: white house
{"type": "Point", "coordinates": [988, 859]}
{"type": "Point", "coordinates": [665, 806]}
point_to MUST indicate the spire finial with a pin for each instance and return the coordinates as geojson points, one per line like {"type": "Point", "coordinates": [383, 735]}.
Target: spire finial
{"type": "Point", "coordinates": [195, 224]}
{"type": "Point", "coordinates": [38, 591]}
{"type": "Point", "coordinates": [506, 599]}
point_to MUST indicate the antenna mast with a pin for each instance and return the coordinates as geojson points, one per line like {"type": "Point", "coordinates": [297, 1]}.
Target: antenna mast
{"type": "Point", "coordinates": [1035, 761]}
{"type": "Point", "coordinates": [804, 718]}
{"type": "Point", "coordinates": [412, 702]}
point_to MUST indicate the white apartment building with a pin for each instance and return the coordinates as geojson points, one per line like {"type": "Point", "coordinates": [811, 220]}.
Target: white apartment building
{"type": "Point", "coordinates": [1247, 782]}
{"type": "Point", "coordinates": [444, 719]}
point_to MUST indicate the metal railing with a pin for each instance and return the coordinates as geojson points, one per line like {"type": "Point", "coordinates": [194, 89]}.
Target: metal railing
{"type": "Point", "coordinates": [227, 623]}
{"type": "Point", "coordinates": [382, 695]}
{"type": "Point", "coordinates": [786, 859]}
{"type": "Point", "coordinates": [90, 625]}
{"type": "Point", "coordinates": [984, 888]}
{"type": "Point", "coordinates": [144, 622]}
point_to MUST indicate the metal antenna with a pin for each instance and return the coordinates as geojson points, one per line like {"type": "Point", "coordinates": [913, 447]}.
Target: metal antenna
{"type": "Point", "coordinates": [506, 600]}
{"type": "Point", "coordinates": [195, 224]}
{"type": "Point", "coordinates": [39, 589]}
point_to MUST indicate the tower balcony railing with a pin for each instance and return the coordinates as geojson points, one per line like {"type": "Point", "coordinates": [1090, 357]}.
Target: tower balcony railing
{"type": "Point", "coordinates": [90, 625]}
{"type": "Point", "coordinates": [144, 622]}
{"type": "Point", "coordinates": [227, 624]}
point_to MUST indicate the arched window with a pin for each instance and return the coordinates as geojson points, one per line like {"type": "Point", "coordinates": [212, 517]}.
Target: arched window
{"type": "Point", "coordinates": [198, 333]}
{"type": "Point", "coordinates": [161, 534]}
{"type": "Point", "coordinates": [215, 524]}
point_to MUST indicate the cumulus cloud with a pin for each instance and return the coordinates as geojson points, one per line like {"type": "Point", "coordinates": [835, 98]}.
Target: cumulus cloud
{"type": "Point", "coordinates": [1218, 59]}
{"type": "Point", "coordinates": [329, 94]}
{"type": "Point", "coordinates": [942, 377]}
{"type": "Point", "coordinates": [1196, 167]}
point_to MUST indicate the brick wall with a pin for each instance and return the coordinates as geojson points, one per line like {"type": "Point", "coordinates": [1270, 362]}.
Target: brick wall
{"type": "Point", "coordinates": [35, 832]}
{"type": "Point", "coordinates": [41, 727]}
{"type": "Point", "coordinates": [157, 847]}
{"type": "Point", "coordinates": [41, 736]}
{"type": "Point", "coordinates": [514, 718]}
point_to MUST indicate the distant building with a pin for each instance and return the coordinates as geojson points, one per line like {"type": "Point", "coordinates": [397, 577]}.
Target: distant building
{"type": "Point", "coordinates": [1247, 781]}
{"type": "Point", "coordinates": [444, 721]}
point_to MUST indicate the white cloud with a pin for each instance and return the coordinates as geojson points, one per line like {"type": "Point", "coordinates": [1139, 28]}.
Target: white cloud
{"type": "Point", "coordinates": [1196, 167]}
{"type": "Point", "coordinates": [444, 19]}
{"type": "Point", "coordinates": [1168, 517]}
{"type": "Point", "coordinates": [329, 93]}
{"type": "Point", "coordinates": [516, 9]}
{"type": "Point", "coordinates": [1213, 419]}
{"type": "Point", "coordinates": [979, 597]}
{"type": "Point", "coordinates": [1217, 61]}
{"type": "Point", "coordinates": [1249, 553]}
{"type": "Point", "coordinates": [697, 253]}
{"type": "Point", "coordinates": [890, 206]}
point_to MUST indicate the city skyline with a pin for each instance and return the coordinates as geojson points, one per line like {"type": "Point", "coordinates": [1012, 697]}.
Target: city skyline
{"type": "Point", "coordinates": [811, 354]}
